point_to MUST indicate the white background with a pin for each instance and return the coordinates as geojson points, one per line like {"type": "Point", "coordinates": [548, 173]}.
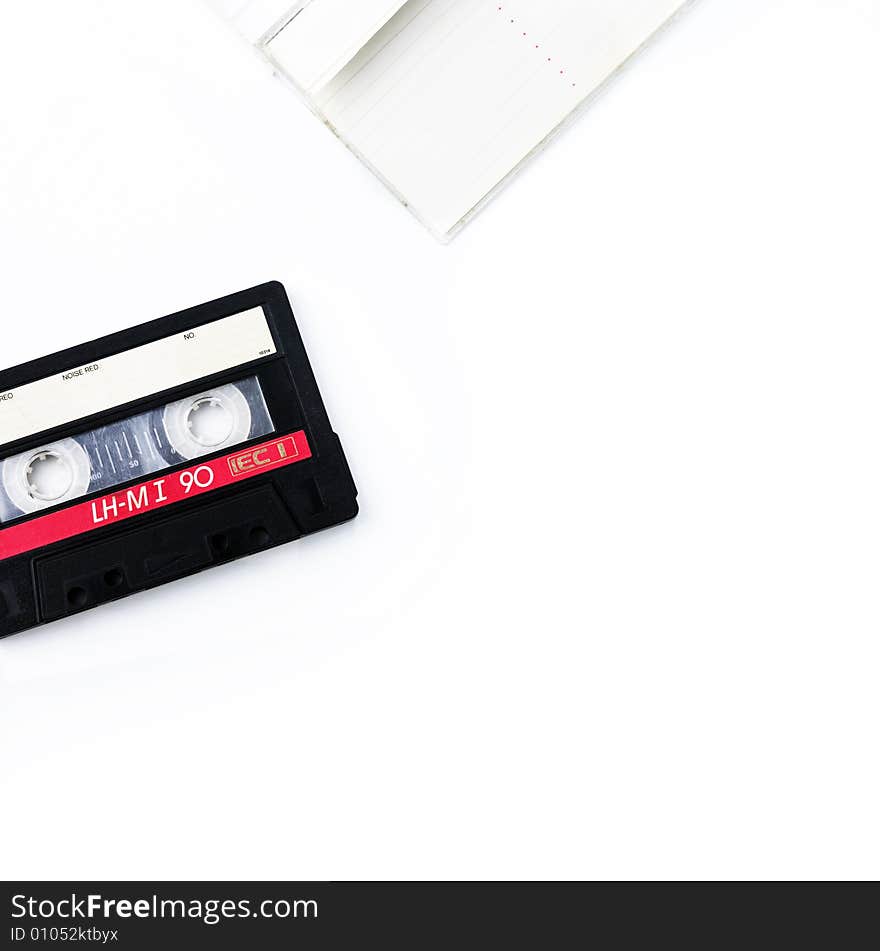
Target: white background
{"type": "Point", "coordinates": [611, 607]}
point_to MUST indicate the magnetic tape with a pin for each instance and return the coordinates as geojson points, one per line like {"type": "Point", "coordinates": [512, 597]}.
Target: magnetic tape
{"type": "Point", "coordinates": [160, 451]}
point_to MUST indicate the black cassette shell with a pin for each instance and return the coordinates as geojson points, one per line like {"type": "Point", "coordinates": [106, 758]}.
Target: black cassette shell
{"type": "Point", "coordinates": [270, 488]}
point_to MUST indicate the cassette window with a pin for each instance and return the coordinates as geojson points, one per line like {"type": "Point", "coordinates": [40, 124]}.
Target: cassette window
{"type": "Point", "coordinates": [63, 470]}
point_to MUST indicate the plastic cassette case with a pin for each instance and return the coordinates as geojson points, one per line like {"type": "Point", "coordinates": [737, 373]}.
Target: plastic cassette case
{"type": "Point", "coordinates": [158, 452]}
{"type": "Point", "coordinates": [445, 99]}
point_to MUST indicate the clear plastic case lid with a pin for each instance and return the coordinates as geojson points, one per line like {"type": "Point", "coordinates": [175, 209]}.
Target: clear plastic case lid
{"type": "Point", "coordinates": [445, 99]}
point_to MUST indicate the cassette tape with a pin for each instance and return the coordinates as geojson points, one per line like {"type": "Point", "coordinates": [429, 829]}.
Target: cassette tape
{"type": "Point", "coordinates": [158, 452]}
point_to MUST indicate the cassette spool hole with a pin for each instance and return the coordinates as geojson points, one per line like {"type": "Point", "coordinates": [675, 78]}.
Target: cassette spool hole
{"type": "Point", "coordinates": [114, 578]}
{"type": "Point", "coordinates": [210, 421]}
{"type": "Point", "coordinates": [260, 536]}
{"type": "Point", "coordinates": [220, 543]}
{"type": "Point", "coordinates": [49, 476]}
{"type": "Point", "coordinates": [77, 597]}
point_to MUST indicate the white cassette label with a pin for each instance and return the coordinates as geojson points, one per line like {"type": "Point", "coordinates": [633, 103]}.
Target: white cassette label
{"type": "Point", "coordinates": [135, 374]}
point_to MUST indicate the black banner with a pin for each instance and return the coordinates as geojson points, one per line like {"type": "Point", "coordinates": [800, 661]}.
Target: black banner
{"type": "Point", "coordinates": [152, 915]}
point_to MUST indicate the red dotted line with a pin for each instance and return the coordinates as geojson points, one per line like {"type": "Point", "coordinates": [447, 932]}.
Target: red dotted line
{"type": "Point", "coordinates": [537, 45]}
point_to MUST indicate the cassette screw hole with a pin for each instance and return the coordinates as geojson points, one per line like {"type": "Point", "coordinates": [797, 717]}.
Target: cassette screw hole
{"type": "Point", "coordinates": [114, 578]}
{"type": "Point", "coordinates": [49, 476]}
{"type": "Point", "coordinates": [77, 597]}
{"type": "Point", "coordinates": [209, 421]}
{"type": "Point", "coordinates": [220, 544]}
{"type": "Point", "coordinates": [259, 536]}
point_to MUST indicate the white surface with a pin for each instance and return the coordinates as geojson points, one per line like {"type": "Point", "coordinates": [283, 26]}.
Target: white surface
{"type": "Point", "coordinates": [133, 374]}
{"type": "Point", "coordinates": [254, 18]}
{"type": "Point", "coordinates": [610, 609]}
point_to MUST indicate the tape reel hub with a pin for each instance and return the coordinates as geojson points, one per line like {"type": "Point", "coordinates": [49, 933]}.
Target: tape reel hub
{"type": "Point", "coordinates": [208, 421]}
{"type": "Point", "coordinates": [50, 475]}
